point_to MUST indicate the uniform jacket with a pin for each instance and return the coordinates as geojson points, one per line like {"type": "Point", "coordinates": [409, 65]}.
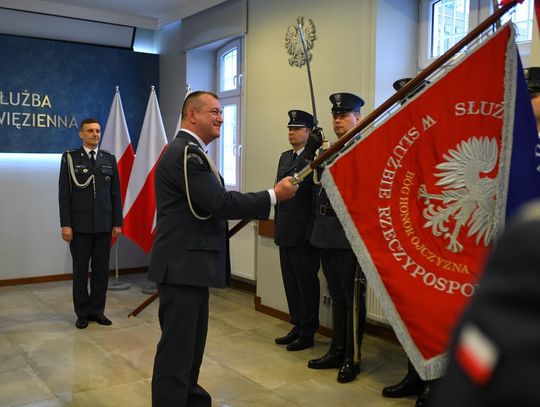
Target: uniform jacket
{"type": "Point", "coordinates": [187, 250]}
{"type": "Point", "coordinates": [293, 218]}
{"type": "Point", "coordinates": [79, 208]}
{"type": "Point", "coordinates": [327, 230]}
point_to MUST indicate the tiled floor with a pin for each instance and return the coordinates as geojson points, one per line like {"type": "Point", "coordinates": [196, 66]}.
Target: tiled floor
{"type": "Point", "coordinates": [46, 362]}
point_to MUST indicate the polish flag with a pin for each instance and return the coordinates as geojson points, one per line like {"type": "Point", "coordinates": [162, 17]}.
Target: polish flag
{"type": "Point", "coordinates": [116, 139]}
{"type": "Point", "coordinates": [140, 204]}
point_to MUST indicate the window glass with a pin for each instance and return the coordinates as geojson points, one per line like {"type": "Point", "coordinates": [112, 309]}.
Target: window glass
{"type": "Point", "coordinates": [228, 145]}
{"type": "Point", "coordinates": [229, 71]}
{"type": "Point", "coordinates": [522, 17]}
{"type": "Point", "coordinates": [450, 24]}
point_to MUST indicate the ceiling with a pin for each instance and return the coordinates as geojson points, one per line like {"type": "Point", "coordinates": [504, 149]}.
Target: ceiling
{"type": "Point", "coordinates": [149, 14]}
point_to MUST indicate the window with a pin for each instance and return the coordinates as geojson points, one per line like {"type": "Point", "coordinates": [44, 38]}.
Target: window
{"type": "Point", "coordinates": [443, 23]}
{"type": "Point", "coordinates": [450, 23]}
{"type": "Point", "coordinates": [229, 90]}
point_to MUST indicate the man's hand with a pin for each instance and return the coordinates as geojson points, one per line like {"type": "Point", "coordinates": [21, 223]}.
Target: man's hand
{"type": "Point", "coordinates": [285, 189]}
{"type": "Point", "coordinates": [116, 231]}
{"type": "Point", "coordinates": [314, 142]}
{"type": "Point", "coordinates": [67, 234]}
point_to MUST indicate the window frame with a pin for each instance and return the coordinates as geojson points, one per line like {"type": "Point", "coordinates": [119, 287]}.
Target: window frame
{"type": "Point", "coordinates": [479, 10]}
{"type": "Point", "coordinates": [231, 97]}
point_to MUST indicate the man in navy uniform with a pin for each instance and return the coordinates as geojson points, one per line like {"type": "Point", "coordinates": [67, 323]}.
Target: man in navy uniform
{"type": "Point", "coordinates": [90, 215]}
{"type": "Point", "coordinates": [298, 258]}
{"type": "Point", "coordinates": [339, 262]}
{"type": "Point", "coordinates": [190, 252]}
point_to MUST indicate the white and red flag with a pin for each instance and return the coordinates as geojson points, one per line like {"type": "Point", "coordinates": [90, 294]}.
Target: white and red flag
{"type": "Point", "coordinates": [140, 204]}
{"type": "Point", "coordinates": [423, 195]}
{"type": "Point", "coordinates": [116, 139]}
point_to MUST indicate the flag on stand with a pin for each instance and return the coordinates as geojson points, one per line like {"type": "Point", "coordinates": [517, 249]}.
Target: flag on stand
{"type": "Point", "coordinates": [116, 139]}
{"type": "Point", "coordinates": [140, 204]}
{"type": "Point", "coordinates": [537, 12]}
{"type": "Point", "coordinates": [423, 195]}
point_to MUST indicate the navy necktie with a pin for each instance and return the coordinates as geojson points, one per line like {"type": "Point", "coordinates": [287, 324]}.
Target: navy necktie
{"type": "Point", "coordinates": [93, 157]}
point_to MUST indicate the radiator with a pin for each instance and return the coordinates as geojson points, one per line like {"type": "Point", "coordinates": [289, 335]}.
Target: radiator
{"type": "Point", "coordinates": [374, 309]}
{"type": "Point", "coordinates": [243, 247]}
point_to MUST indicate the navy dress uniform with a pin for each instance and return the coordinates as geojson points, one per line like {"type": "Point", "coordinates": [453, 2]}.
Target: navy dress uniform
{"type": "Point", "coordinates": [90, 203]}
{"type": "Point", "coordinates": [339, 266]}
{"type": "Point", "coordinates": [532, 77]}
{"type": "Point", "coordinates": [495, 351]}
{"type": "Point", "coordinates": [299, 259]}
{"type": "Point", "coordinates": [189, 255]}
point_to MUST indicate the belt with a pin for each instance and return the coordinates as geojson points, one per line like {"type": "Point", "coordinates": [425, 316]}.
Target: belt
{"type": "Point", "coordinates": [326, 210]}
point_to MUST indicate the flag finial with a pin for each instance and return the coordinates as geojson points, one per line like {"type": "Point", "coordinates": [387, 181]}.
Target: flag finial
{"type": "Point", "coordinates": [153, 88]}
{"type": "Point", "coordinates": [117, 88]}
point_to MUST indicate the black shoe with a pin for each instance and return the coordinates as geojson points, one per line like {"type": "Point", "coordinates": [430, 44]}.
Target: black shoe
{"type": "Point", "coordinates": [332, 360]}
{"type": "Point", "coordinates": [422, 400]}
{"type": "Point", "coordinates": [409, 386]}
{"type": "Point", "coordinates": [287, 339]}
{"type": "Point", "coordinates": [100, 319]}
{"type": "Point", "coordinates": [81, 323]}
{"type": "Point", "coordinates": [348, 371]}
{"type": "Point", "coordinates": [300, 344]}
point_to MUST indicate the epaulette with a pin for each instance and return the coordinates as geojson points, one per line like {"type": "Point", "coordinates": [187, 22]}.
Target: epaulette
{"type": "Point", "coordinates": [194, 151]}
{"type": "Point", "coordinates": [71, 151]}
{"type": "Point", "coordinates": [105, 151]}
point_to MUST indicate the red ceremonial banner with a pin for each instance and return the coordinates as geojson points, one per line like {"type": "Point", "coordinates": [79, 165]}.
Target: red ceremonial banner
{"type": "Point", "coordinates": [422, 195]}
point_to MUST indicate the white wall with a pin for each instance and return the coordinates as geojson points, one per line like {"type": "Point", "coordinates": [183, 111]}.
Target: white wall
{"type": "Point", "coordinates": [30, 241]}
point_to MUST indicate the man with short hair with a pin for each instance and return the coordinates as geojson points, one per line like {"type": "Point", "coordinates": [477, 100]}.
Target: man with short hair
{"type": "Point", "coordinates": [339, 263]}
{"type": "Point", "coordinates": [190, 252]}
{"type": "Point", "coordinates": [299, 259]}
{"type": "Point", "coordinates": [90, 215]}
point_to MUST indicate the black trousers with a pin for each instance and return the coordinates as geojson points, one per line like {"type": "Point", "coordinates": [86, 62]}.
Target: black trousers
{"type": "Point", "coordinates": [183, 316]}
{"type": "Point", "coordinates": [339, 268]}
{"type": "Point", "coordinates": [93, 249]}
{"type": "Point", "coordinates": [299, 269]}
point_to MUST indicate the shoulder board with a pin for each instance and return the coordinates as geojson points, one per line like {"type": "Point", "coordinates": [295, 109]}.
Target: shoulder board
{"type": "Point", "coordinates": [71, 151]}
{"type": "Point", "coordinates": [106, 152]}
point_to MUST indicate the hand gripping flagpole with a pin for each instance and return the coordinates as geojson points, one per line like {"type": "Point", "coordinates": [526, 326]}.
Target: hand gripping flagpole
{"type": "Point", "coordinates": [404, 91]}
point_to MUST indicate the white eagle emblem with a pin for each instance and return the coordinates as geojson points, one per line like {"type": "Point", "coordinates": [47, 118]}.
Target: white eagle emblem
{"type": "Point", "coordinates": [293, 41]}
{"type": "Point", "coordinates": [467, 198]}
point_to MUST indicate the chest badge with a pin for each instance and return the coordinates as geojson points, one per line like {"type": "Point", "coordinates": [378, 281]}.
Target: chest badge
{"type": "Point", "coordinates": [107, 178]}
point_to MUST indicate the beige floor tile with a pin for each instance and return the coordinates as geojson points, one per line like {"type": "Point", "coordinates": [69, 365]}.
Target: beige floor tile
{"type": "Point", "coordinates": [225, 384]}
{"type": "Point", "coordinates": [82, 375]}
{"type": "Point", "coordinates": [43, 403]}
{"type": "Point", "coordinates": [52, 294]}
{"type": "Point", "coordinates": [10, 358]}
{"type": "Point", "coordinates": [67, 349]}
{"type": "Point", "coordinates": [124, 339]}
{"type": "Point", "coordinates": [20, 298]}
{"type": "Point", "coordinates": [39, 330]}
{"type": "Point", "coordinates": [22, 386]}
{"type": "Point", "coordinates": [36, 312]}
{"type": "Point", "coordinates": [132, 394]}
{"type": "Point", "coordinates": [273, 370]}
{"type": "Point", "coordinates": [246, 319]}
{"type": "Point", "coordinates": [259, 400]}
{"type": "Point", "coordinates": [236, 347]}
{"type": "Point", "coordinates": [50, 363]}
{"type": "Point", "coordinates": [217, 327]}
